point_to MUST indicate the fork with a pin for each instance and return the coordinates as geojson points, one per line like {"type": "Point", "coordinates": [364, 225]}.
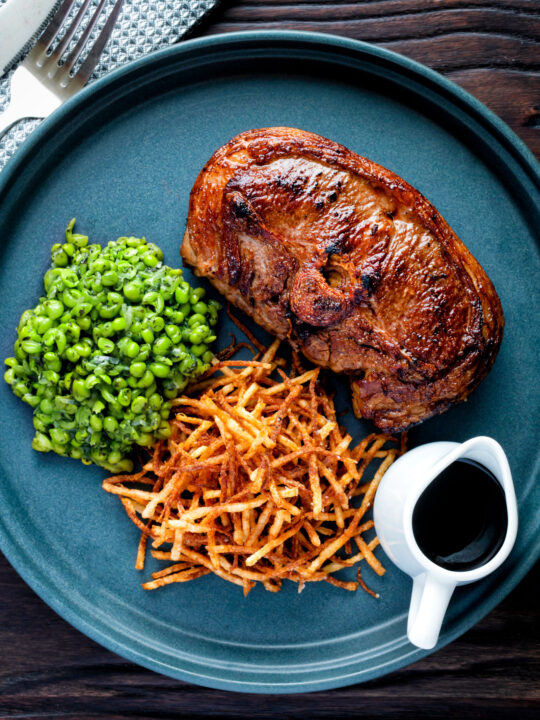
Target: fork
{"type": "Point", "coordinates": [42, 82]}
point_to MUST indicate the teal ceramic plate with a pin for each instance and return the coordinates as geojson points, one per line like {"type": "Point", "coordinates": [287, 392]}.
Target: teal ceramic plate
{"type": "Point", "coordinates": [122, 157]}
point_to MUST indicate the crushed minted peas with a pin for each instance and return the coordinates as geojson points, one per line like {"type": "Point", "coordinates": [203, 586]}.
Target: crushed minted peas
{"type": "Point", "coordinates": [116, 336]}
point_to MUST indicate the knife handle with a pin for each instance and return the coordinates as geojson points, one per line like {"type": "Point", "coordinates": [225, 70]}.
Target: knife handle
{"type": "Point", "coordinates": [19, 22]}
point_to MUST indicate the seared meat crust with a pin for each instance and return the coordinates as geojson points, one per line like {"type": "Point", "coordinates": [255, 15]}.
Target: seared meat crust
{"type": "Point", "coordinates": [350, 264]}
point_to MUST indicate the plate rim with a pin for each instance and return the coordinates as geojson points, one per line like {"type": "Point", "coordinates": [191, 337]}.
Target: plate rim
{"type": "Point", "coordinates": [35, 577]}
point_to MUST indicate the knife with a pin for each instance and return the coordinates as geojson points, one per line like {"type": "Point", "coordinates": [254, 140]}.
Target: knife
{"type": "Point", "coordinates": [20, 21]}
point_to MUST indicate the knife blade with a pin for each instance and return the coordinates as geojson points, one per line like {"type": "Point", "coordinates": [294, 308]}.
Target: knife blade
{"type": "Point", "coordinates": [19, 22]}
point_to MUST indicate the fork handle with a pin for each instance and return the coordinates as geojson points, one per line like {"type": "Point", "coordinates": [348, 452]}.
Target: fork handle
{"type": "Point", "coordinates": [8, 118]}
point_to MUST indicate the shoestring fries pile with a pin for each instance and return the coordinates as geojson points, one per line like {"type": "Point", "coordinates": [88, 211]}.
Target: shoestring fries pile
{"type": "Point", "coordinates": [257, 483]}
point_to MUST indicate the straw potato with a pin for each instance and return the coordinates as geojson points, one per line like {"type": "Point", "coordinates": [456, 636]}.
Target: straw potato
{"type": "Point", "coordinates": [258, 482]}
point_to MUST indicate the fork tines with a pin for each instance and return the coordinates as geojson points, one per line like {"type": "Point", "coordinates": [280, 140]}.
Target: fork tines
{"type": "Point", "coordinates": [42, 56]}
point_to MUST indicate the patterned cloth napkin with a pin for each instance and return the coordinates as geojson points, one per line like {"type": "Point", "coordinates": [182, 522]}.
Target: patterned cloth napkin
{"type": "Point", "coordinates": [143, 26]}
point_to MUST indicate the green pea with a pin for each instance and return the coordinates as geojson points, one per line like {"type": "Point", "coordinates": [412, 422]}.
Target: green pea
{"type": "Point", "coordinates": [91, 381]}
{"type": "Point", "coordinates": [155, 249]}
{"type": "Point", "coordinates": [109, 311]}
{"type": "Point", "coordinates": [43, 324]}
{"type": "Point", "coordinates": [73, 330]}
{"type": "Point", "coordinates": [162, 345]}
{"type": "Point", "coordinates": [137, 369]}
{"type": "Point", "coordinates": [174, 333]}
{"type": "Point", "coordinates": [41, 443]}
{"type": "Point", "coordinates": [54, 309]}
{"type": "Point", "coordinates": [82, 309]}
{"type": "Point", "coordinates": [164, 431]}
{"type": "Point", "coordinates": [95, 440]}
{"type": "Point", "coordinates": [9, 376]}
{"type": "Point", "coordinates": [187, 365]}
{"type": "Point", "coordinates": [207, 357]}
{"type": "Point", "coordinates": [46, 406]}
{"type": "Point", "coordinates": [133, 291]}
{"type": "Point", "coordinates": [79, 240]}
{"type": "Point", "coordinates": [19, 352]}
{"type": "Point", "coordinates": [32, 400]}
{"type": "Point", "coordinates": [31, 347]}
{"type": "Point", "coordinates": [52, 377]}
{"type": "Point", "coordinates": [147, 335]}
{"type": "Point", "coordinates": [79, 390]}
{"type": "Point", "coordinates": [198, 335]}
{"type": "Point", "coordinates": [200, 307]}
{"type": "Point", "coordinates": [181, 294]}
{"type": "Point", "coordinates": [59, 258]}
{"type": "Point", "coordinates": [124, 397]}
{"type": "Point", "coordinates": [106, 345]}
{"type": "Point", "coordinates": [72, 355]}
{"type": "Point", "coordinates": [119, 324]}
{"type": "Point", "coordinates": [69, 278]}
{"type": "Point", "coordinates": [149, 259]}
{"type": "Point", "coordinates": [114, 457]}
{"type": "Point", "coordinates": [160, 370]}
{"type": "Point", "coordinates": [53, 279]}
{"type": "Point", "coordinates": [60, 437]}
{"type": "Point", "coordinates": [131, 349]}
{"type": "Point", "coordinates": [96, 423]}
{"type": "Point", "coordinates": [150, 298]}
{"type": "Point", "coordinates": [82, 434]}
{"type": "Point", "coordinates": [195, 294]}
{"type": "Point", "coordinates": [110, 424]}
{"type": "Point", "coordinates": [138, 405]}
{"type": "Point", "coordinates": [38, 423]}
{"type": "Point", "coordinates": [176, 316]}
{"type": "Point", "coordinates": [102, 375]}
{"type": "Point", "coordinates": [157, 323]}
{"type": "Point", "coordinates": [84, 323]}
{"type": "Point", "coordinates": [146, 380]}
{"type": "Point", "coordinates": [61, 340]}
{"type": "Point", "coordinates": [155, 401]}
{"type": "Point", "coordinates": [144, 352]}
{"type": "Point", "coordinates": [198, 350]}
{"type": "Point", "coordinates": [196, 319]}
{"type": "Point", "coordinates": [97, 266]}
{"type": "Point", "coordinates": [109, 278]}
{"type": "Point", "coordinates": [83, 349]}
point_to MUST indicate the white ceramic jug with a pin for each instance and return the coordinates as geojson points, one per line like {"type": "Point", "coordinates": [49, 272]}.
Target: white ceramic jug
{"type": "Point", "coordinates": [396, 498]}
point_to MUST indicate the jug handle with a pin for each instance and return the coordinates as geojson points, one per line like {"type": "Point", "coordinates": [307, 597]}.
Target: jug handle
{"type": "Point", "coordinates": [429, 601]}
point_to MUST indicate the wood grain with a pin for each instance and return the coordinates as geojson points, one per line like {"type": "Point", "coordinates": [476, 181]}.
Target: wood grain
{"type": "Point", "coordinates": [491, 49]}
{"type": "Point", "coordinates": [49, 670]}
{"type": "Point", "coordinates": [52, 671]}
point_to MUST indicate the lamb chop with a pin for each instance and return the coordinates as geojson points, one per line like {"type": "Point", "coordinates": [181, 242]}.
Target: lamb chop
{"type": "Point", "coordinates": [350, 264]}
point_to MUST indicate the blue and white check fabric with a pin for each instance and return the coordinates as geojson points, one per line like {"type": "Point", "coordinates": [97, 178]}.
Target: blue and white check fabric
{"type": "Point", "coordinates": [142, 27]}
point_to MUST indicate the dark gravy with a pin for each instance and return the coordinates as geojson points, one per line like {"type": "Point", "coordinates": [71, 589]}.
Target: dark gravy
{"type": "Point", "coordinates": [460, 520]}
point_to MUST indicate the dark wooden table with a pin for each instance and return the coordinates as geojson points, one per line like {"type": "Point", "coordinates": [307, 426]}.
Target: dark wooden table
{"type": "Point", "coordinates": [48, 669]}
